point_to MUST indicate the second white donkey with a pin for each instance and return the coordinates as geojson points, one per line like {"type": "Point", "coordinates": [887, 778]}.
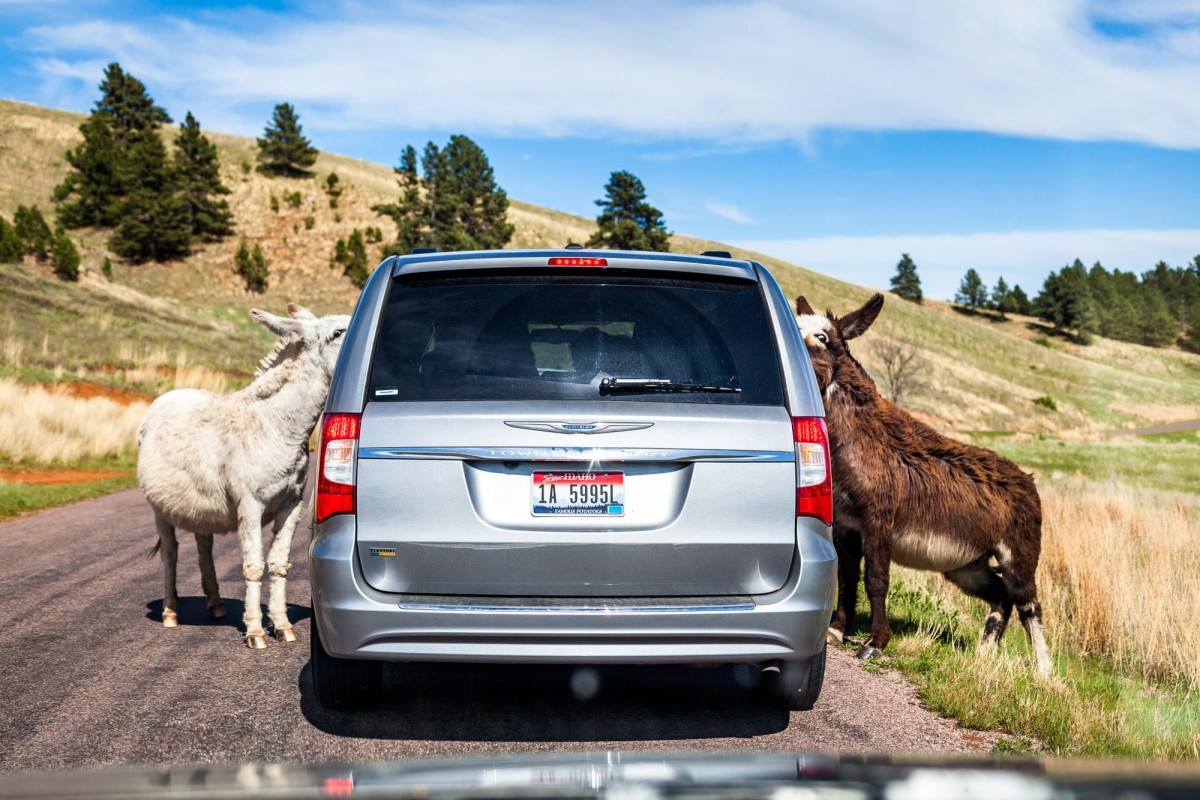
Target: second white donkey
{"type": "Point", "coordinates": [212, 463]}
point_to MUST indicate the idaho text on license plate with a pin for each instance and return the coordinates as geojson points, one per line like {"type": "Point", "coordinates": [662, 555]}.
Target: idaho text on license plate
{"type": "Point", "coordinates": [578, 493]}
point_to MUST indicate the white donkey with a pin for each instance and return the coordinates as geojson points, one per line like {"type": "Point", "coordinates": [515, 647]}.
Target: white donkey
{"type": "Point", "coordinates": [213, 463]}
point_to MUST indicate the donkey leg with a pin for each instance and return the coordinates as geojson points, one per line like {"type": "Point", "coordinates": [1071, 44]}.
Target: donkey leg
{"type": "Point", "coordinates": [277, 562]}
{"type": "Point", "coordinates": [877, 557]}
{"type": "Point", "coordinates": [208, 575]}
{"type": "Point", "coordinates": [168, 550]}
{"type": "Point", "coordinates": [848, 544]}
{"type": "Point", "coordinates": [1018, 568]}
{"type": "Point", "coordinates": [978, 579]}
{"type": "Point", "coordinates": [250, 515]}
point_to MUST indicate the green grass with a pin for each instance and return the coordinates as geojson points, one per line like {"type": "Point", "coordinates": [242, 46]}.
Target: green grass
{"type": "Point", "coordinates": [1087, 709]}
{"type": "Point", "coordinates": [1166, 464]}
{"type": "Point", "coordinates": [16, 498]}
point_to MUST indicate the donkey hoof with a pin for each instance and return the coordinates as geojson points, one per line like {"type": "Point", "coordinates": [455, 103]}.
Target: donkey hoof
{"type": "Point", "coordinates": [868, 651]}
{"type": "Point", "coordinates": [256, 641]}
{"type": "Point", "coordinates": [217, 611]}
{"type": "Point", "coordinates": [170, 620]}
{"type": "Point", "coordinates": [285, 634]}
{"type": "Point", "coordinates": [834, 636]}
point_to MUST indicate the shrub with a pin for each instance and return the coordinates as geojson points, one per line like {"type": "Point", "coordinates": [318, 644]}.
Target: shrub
{"type": "Point", "coordinates": [309, 222]}
{"type": "Point", "coordinates": [1046, 401]}
{"type": "Point", "coordinates": [64, 257]}
{"type": "Point", "coordinates": [274, 203]}
{"type": "Point", "coordinates": [252, 266]}
{"type": "Point", "coordinates": [293, 199]}
{"type": "Point", "coordinates": [246, 167]}
{"type": "Point", "coordinates": [106, 267]}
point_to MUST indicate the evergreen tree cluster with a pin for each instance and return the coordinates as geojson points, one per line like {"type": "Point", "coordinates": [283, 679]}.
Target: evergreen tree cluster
{"type": "Point", "coordinates": [123, 178]}
{"type": "Point", "coordinates": [454, 202]}
{"type": "Point", "coordinates": [351, 255]}
{"type": "Point", "coordinates": [1157, 309]}
{"type": "Point", "coordinates": [973, 293]}
{"type": "Point", "coordinates": [626, 220]}
{"type": "Point", "coordinates": [28, 234]}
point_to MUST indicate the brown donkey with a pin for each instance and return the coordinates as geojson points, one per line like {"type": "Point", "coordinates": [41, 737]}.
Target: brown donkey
{"type": "Point", "coordinates": [905, 493]}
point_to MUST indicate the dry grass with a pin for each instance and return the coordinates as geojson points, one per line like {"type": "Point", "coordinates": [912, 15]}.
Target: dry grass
{"type": "Point", "coordinates": [46, 427]}
{"type": "Point", "coordinates": [1118, 572]}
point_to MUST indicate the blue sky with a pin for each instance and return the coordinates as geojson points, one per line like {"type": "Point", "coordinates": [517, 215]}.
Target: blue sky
{"type": "Point", "coordinates": [1010, 137]}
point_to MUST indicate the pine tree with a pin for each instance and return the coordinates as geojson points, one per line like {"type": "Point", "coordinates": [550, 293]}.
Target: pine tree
{"type": "Point", "coordinates": [1021, 302]}
{"type": "Point", "coordinates": [92, 192]}
{"type": "Point", "coordinates": [1002, 298]}
{"type": "Point", "coordinates": [199, 175]}
{"type": "Point", "coordinates": [283, 150]}
{"type": "Point", "coordinates": [32, 230]}
{"type": "Point", "coordinates": [12, 249]}
{"type": "Point", "coordinates": [351, 255]}
{"type": "Point", "coordinates": [64, 257]}
{"type": "Point", "coordinates": [252, 266]}
{"type": "Point", "coordinates": [1190, 340]}
{"type": "Point", "coordinates": [626, 221]}
{"type": "Point", "coordinates": [454, 204]}
{"type": "Point", "coordinates": [104, 171]}
{"type": "Point", "coordinates": [155, 224]}
{"type": "Point", "coordinates": [906, 283]}
{"type": "Point", "coordinates": [971, 291]}
{"type": "Point", "coordinates": [127, 107]}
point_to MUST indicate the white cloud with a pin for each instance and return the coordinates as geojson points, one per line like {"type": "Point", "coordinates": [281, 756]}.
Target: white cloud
{"type": "Point", "coordinates": [722, 71]}
{"type": "Point", "coordinates": [1022, 257]}
{"type": "Point", "coordinates": [727, 211]}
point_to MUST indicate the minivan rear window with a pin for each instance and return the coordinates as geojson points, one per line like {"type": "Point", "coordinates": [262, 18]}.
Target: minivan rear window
{"type": "Point", "coordinates": [489, 336]}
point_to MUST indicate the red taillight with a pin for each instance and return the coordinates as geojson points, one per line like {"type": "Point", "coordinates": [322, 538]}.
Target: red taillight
{"type": "Point", "coordinates": [574, 261]}
{"type": "Point", "coordinates": [336, 465]}
{"type": "Point", "coordinates": [814, 486]}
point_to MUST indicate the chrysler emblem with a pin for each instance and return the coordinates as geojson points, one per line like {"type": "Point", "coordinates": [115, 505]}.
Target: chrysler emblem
{"type": "Point", "coordinates": [579, 427]}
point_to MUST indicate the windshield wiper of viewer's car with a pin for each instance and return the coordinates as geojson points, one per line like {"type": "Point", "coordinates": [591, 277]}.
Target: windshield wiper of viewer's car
{"type": "Point", "coordinates": [608, 385]}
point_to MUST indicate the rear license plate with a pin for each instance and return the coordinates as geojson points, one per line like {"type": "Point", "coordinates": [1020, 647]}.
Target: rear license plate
{"type": "Point", "coordinates": [600, 494]}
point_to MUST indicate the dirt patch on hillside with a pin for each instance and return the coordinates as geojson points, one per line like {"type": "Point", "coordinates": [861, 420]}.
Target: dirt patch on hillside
{"type": "Point", "coordinates": [58, 477]}
{"type": "Point", "coordinates": [85, 390]}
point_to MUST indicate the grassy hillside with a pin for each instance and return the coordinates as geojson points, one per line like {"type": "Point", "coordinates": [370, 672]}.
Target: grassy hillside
{"type": "Point", "coordinates": [983, 375]}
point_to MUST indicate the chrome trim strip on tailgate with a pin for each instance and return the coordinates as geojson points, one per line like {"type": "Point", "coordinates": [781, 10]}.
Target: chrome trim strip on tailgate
{"type": "Point", "coordinates": [575, 605]}
{"type": "Point", "coordinates": [584, 454]}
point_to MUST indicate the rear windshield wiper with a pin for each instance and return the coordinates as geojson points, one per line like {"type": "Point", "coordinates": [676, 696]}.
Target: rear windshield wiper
{"type": "Point", "coordinates": [608, 385]}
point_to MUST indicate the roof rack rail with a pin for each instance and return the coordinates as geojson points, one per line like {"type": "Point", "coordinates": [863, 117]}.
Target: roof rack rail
{"type": "Point", "coordinates": [717, 253]}
{"type": "Point", "coordinates": [416, 251]}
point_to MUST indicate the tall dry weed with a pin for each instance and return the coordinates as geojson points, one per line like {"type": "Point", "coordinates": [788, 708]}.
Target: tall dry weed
{"type": "Point", "coordinates": [44, 427]}
{"type": "Point", "coordinates": [1118, 577]}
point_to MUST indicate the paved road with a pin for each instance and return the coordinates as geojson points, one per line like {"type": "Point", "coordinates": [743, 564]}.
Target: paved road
{"type": "Point", "coordinates": [89, 677]}
{"type": "Point", "coordinates": [1171, 427]}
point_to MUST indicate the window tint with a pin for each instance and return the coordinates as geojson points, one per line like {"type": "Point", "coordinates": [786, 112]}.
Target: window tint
{"type": "Point", "coordinates": [555, 337]}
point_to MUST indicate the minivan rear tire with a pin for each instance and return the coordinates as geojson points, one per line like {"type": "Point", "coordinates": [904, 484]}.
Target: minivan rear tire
{"type": "Point", "coordinates": [794, 685]}
{"type": "Point", "coordinates": [342, 683]}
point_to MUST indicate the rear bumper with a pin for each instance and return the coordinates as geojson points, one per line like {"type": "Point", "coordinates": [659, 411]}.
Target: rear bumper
{"type": "Point", "coordinates": [356, 621]}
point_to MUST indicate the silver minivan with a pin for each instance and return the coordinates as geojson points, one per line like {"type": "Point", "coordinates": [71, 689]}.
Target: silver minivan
{"type": "Point", "coordinates": [572, 457]}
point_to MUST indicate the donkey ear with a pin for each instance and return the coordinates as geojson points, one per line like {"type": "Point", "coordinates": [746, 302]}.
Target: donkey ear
{"type": "Point", "coordinates": [856, 322]}
{"type": "Point", "coordinates": [802, 306]}
{"type": "Point", "coordinates": [298, 311]}
{"type": "Point", "coordinates": [280, 326]}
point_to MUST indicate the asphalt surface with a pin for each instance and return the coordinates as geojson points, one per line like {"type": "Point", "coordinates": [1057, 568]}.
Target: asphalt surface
{"type": "Point", "coordinates": [89, 677]}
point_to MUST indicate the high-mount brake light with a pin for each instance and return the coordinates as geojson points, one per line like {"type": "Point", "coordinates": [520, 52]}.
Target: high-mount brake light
{"type": "Point", "coordinates": [338, 452]}
{"type": "Point", "coordinates": [814, 484]}
{"type": "Point", "coordinates": [573, 261]}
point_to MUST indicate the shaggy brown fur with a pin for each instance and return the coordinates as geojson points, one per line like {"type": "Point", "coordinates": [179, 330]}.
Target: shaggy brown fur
{"type": "Point", "coordinates": [905, 493]}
